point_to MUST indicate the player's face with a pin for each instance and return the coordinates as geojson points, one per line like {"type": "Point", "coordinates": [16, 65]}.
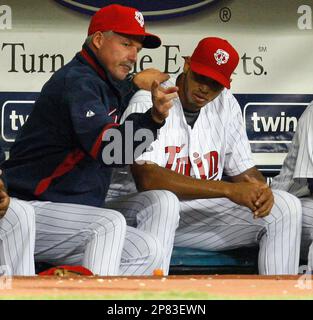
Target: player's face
{"type": "Point", "coordinates": [118, 53]}
{"type": "Point", "coordinates": [198, 89]}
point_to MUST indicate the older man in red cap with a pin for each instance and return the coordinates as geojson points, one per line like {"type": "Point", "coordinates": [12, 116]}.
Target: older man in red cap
{"type": "Point", "coordinates": [203, 139]}
{"type": "Point", "coordinates": [59, 160]}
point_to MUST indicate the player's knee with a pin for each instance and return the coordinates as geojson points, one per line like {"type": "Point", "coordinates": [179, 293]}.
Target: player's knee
{"type": "Point", "coordinates": [111, 221]}
{"type": "Point", "coordinates": [170, 202]}
{"type": "Point", "coordinates": [169, 199]}
{"type": "Point", "coordinates": [166, 202]}
{"type": "Point", "coordinates": [287, 206]}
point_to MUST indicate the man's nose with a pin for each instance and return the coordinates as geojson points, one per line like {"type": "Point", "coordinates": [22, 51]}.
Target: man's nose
{"type": "Point", "coordinates": [204, 88]}
{"type": "Point", "coordinates": [133, 54]}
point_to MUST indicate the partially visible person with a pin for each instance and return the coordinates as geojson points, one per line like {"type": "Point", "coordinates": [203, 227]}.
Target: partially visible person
{"type": "Point", "coordinates": [204, 138]}
{"type": "Point", "coordinates": [59, 159]}
{"type": "Point", "coordinates": [296, 177]}
{"type": "Point", "coordinates": [17, 233]}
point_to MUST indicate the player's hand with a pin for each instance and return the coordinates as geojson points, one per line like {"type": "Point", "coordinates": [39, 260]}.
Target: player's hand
{"type": "Point", "coordinates": [4, 200]}
{"type": "Point", "coordinates": [162, 99]}
{"type": "Point", "coordinates": [145, 78]}
{"type": "Point", "coordinates": [246, 193]}
{"type": "Point", "coordinates": [265, 201]}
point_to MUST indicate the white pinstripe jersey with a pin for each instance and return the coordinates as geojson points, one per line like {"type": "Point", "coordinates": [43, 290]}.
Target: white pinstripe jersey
{"type": "Point", "coordinates": [216, 145]}
{"type": "Point", "coordinates": [298, 164]}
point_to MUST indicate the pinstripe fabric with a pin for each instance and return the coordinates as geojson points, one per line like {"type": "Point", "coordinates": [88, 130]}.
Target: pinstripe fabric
{"type": "Point", "coordinates": [70, 233]}
{"type": "Point", "coordinates": [298, 164]}
{"type": "Point", "coordinates": [307, 230]}
{"type": "Point", "coordinates": [93, 237]}
{"type": "Point", "coordinates": [154, 212]}
{"type": "Point", "coordinates": [219, 129]}
{"type": "Point", "coordinates": [142, 253]}
{"type": "Point", "coordinates": [217, 145]}
{"type": "Point", "coordinates": [219, 224]}
{"type": "Point", "coordinates": [296, 169]}
{"type": "Point", "coordinates": [17, 239]}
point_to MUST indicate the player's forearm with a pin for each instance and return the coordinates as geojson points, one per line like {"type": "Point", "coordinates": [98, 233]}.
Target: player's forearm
{"type": "Point", "coordinates": [153, 177]}
{"type": "Point", "coordinates": [252, 173]}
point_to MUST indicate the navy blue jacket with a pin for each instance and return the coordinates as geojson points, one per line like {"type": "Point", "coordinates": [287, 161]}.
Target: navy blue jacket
{"type": "Point", "coordinates": [57, 155]}
{"type": "Point", "coordinates": [2, 156]}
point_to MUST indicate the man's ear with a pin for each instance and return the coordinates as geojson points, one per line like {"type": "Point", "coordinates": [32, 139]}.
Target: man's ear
{"type": "Point", "coordinates": [186, 64]}
{"type": "Point", "coordinates": [97, 39]}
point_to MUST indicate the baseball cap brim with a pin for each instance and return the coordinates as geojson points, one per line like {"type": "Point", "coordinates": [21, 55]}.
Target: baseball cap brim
{"type": "Point", "coordinates": [210, 73]}
{"type": "Point", "coordinates": [150, 41]}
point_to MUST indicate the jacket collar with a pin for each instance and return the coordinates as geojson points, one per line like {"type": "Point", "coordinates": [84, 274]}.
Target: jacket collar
{"type": "Point", "coordinates": [90, 58]}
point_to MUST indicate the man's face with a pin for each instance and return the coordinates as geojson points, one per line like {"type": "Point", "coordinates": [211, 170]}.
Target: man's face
{"type": "Point", "coordinates": [198, 89]}
{"type": "Point", "coordinates": [117, 52]}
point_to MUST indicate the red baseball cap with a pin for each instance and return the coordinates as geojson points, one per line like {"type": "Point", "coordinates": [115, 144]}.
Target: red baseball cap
{"type": "Point", "coordinates": [66, 270]}
{"type": "Point", "coordinates": [125, 20]}
{"type": "Point", "coordinates": [215, 58]}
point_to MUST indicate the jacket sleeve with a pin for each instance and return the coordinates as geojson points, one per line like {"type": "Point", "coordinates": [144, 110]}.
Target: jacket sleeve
{"type": "Point", "coordinates": [95, 127]}
{"type": "Point", "coordinates": [129, 88]}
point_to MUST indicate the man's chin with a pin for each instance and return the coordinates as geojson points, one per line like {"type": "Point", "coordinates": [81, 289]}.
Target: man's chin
{"type": "Point", "coordinates": [199, 105]}
{"type": "Point", "coordinates": [120, 76]}
{"type": "Point", "coordinates": [193, 107]}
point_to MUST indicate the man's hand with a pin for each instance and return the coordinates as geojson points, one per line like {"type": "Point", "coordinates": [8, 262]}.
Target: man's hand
{"type": "Point", "coordinates": [145, 78]}
{"type": "Point", "coordinates": [4, 200]}
{"type": "Point", "coordinates": [254, 194]}
{"type": "Point", "coordinates": [245, 194]}
{"type": "Point", "coordinates": [265, 201]}
{"type": "Point", "coordinates": [162, 101]}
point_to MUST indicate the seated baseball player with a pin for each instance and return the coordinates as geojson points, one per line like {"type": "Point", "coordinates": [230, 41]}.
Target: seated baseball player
{"type": "Point", "coordinates": [17, 233]}
{"type": "Point", "coordinates": [296, 177]}
{"type": "Point", "coordinates": [58, 161]}
{"type": "Point", "coordinates": [204, 138]}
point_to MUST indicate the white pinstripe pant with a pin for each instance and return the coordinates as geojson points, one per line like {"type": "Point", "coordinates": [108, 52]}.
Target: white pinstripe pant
{"type": "Point", "coordinates": [77, 234]}
{"type": "Point", "coordinates": [96, 238]}
{"type": "Point", "coordinates": [220, 224]}
{"type": "Point", "coordinates": [307, 230]}
{"type": "Point", "coordinates": [17, 239]}
{"type": "Point", "coordinates": [154, 212]}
